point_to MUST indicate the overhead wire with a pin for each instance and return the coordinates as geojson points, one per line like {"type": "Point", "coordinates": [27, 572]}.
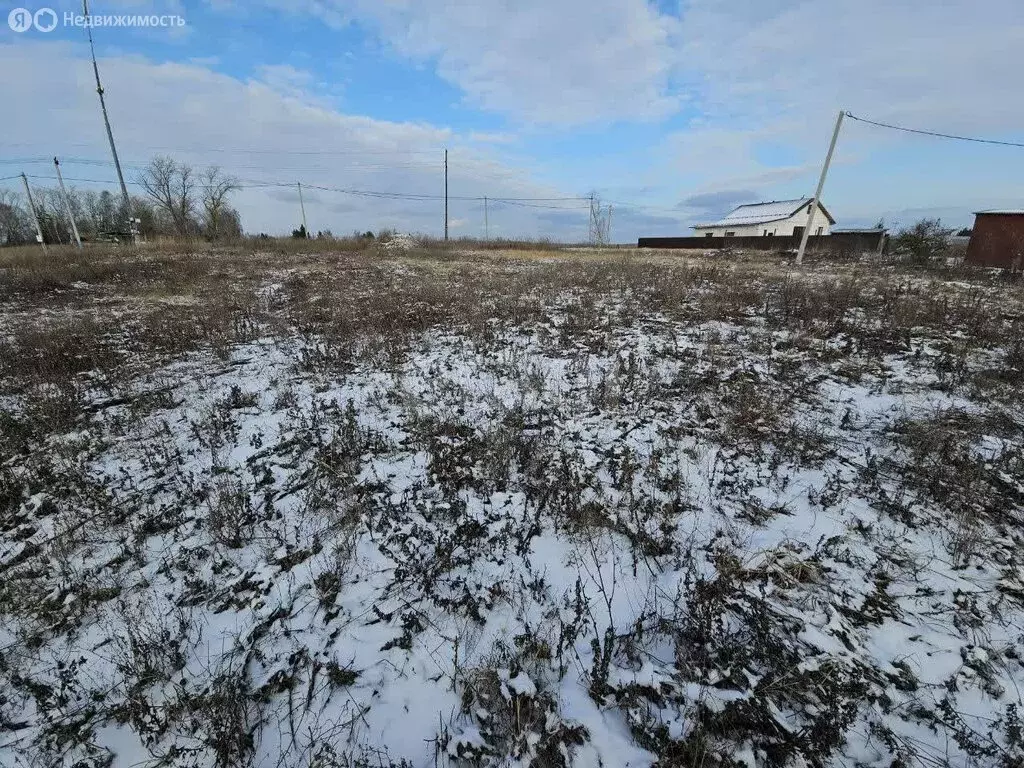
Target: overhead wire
{"type": "Point", "coordinates": [526, 202]}
{"type": "Point", "coordinates": [519, 204]}
{"type": "Point", "coordinates": [259, 184]}
{"type": "Point", "coordinates": [938, 134]}
{"type": "Point", "coordinates": [245, 183]}
{"type": "Point", "coordinates": [569, 203]}
{"type": "Point", "coordinates": [228, 150]}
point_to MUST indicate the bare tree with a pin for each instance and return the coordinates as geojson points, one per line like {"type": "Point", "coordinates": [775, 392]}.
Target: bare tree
{"type": "Point", "coordinates": [14, 222]}
{"type": "Point", "coordinates": [230, 223]}
{"type": "Point", "coordinates": [53, 216]}
{"type": "Point", "coordinates": [172, 186]}
{"type": "Point", "coordinates": [143, 210]}
{"type": "Point", "coordinates": [216, 186]}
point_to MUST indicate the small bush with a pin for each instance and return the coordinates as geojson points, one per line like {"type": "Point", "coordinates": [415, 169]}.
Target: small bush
{"type": "Point", "coordinates": [925, 242]}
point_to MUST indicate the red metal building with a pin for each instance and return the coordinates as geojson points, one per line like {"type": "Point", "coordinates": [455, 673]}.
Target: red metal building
{"type": "Point", "coordinates": [997, 239]}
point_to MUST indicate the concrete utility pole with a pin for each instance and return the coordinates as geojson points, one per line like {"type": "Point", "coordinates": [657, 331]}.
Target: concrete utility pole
{"type": "Point", "coordinates": [302, 205]}
{"type": "Point", "coordinates": [821, 183]}
{"type": "Point", "coordinates": [106, 121]}
{"type": "Point", "coordinates": [67, 204]}
{"type": "Point", "coordinates": [487, 229]}
{"type": "Point", "coordinates": [446, 195]}
{"type": "Point", "coordinates": [35, 215]}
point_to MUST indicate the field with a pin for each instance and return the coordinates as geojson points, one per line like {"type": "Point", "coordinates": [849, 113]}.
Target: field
{"type": "Point", "coordinates": [437, 507]}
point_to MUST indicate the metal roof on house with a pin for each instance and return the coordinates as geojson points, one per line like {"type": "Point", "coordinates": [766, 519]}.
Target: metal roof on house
{"type": "Point", "coordinates": [763, 213]}
{"type": "Point", "coordinates": [1000, 213]}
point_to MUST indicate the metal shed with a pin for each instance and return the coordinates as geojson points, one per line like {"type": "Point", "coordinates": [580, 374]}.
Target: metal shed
{"type": "Point", "coordinates": [997, 239]}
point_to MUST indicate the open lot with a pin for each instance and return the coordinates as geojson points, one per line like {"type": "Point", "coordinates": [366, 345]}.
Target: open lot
{"type": "Point", "coordinates": [429, 507]}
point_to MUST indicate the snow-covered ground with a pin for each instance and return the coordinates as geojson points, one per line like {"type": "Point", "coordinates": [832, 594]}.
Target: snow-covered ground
{"type": "Point", "coordinates": [744, 525]}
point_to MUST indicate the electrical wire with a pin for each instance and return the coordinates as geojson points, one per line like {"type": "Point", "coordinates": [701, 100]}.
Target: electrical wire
{"type": "Point", "coordinates": [229, 150]}
{"type": "Point", "coordinates": [531, 200]}
{"type": "Point", "coordinates": [934, 133]}
{"type": "Point", "coordinates": [257, 184]}
{"type": "Point", "coordinates": [243, 183]}
{"type": "Point", "coordinates": [536, 205]}
{"type": "Point", "coordinates": [141, 166]}
{"type": "Point", "coordinates": [26, 161]}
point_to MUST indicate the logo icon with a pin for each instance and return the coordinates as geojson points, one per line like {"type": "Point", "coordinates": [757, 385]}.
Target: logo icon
{"type": "Point", "coordinates": [19, 19]}
{"type": "Point", "coordinates": [45, 19]}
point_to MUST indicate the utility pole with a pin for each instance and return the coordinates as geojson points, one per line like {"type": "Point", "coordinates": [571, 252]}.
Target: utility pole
{"type": "Point", "coordinates": [821, 183]}
{"type": "Point", "coordinates": [67, 204]}
{"type": "Point", "coordinates": [302, 205]}
{"type": "Point", "coordinates": [106, 121]}
{"type": "Point", "coordinates": [487, 230]}
{"type": "Point", "coordinates": [35, 214]}
{"type": "Point", "coordinates": [446, 195]}
{"type": "Point", "coordinates": [608, 228]}
{"type": "Point", "coordinates": [593, 219]}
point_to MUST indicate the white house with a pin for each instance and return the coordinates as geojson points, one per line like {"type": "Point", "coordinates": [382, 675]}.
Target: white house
{"type": "Point", "coordinates": [775, 219]}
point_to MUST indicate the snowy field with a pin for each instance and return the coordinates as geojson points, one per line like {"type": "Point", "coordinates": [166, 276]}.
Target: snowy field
{"type": "Point", "coordinates": [442, 509]}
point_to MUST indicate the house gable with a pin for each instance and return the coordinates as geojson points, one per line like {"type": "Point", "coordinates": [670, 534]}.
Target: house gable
{"type": "Point", "coordinates": [757, 214]}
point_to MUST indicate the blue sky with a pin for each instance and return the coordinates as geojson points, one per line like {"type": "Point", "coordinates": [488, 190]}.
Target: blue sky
{"type": "Point", "coordinates": [672, 112]}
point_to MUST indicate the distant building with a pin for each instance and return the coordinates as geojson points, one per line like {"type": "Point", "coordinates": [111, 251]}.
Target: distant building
{"type": "Point", "coordinates": [997, 239]}
{"type": "Point", "coordinates": [779, 218]}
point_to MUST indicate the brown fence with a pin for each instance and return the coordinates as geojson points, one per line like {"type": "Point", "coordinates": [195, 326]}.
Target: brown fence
{"type": "Point", "coordinates": [836, 244]}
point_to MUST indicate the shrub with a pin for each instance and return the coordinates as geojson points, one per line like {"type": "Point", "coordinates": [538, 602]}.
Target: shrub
{"type": "Point", "coordinates": [923, 243]}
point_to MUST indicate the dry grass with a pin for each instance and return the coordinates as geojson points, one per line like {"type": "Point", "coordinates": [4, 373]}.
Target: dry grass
{"type": "Point", "coordinates": [665, 354]}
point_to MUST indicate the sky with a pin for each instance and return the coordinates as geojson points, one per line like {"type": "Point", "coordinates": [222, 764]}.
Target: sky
{"type": "Point", "coordinates": [671, 112]}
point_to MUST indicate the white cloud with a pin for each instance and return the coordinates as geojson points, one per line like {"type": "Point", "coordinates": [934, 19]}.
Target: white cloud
{"type": "Point", "coordinates": [746, 61]}
{"type": "Point", "coordinates": [492, 137]}
{"type": "Point", "coordinates": [768, 76]}
{"type": "Point", "coordinates": [297, 83]}
{"type": "Point", "coordinates": [563, 63]}
{"type": "Point", "coordinates": [257, 131]}
{"type": "Point", "coordinates": [954, 62]}
{"type": "Point", "coordinates": [761, 81]}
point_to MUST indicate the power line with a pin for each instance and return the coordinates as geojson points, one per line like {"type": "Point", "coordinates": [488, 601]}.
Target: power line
{"type": "Point", "coordinates": [316, 152]}
{"type": "Point", "coordinates": [257, 184]}
{"type": "Point", "coordinates": [934, 133]}
{"type": "Point", "coordinates": [644, 207]}
{"type": "Point", "coordinates": [519, 204]}
{"type": "Point", "coordinates": [536, 200]}
{"type": "Point", "coordinates": [27, 161]}
{"type": "Point", "coordinates": [245, 183]}
{"type": "Point", "coordinates": [138, 183]}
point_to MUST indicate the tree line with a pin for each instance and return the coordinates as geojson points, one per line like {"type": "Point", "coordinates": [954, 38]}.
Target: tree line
{"type": "Point", "coordinates": [177, 200]}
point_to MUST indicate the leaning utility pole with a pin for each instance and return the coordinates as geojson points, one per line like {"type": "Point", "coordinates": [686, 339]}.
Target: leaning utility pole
{"type": "Point", "coordinates": [302, 205]}
{"type": "Point", "coordinates": [446, 195]}
{"type": "Point", "coordinates": [817, 194]}
{"type": "Point", "coordinates": [67, 204]}
{"type": "Point", "coordinates": [591, 230]}
{"type": "Point", "coordinates": [106, 121]}
{"type": "Point", "coordinates": [35, 214]}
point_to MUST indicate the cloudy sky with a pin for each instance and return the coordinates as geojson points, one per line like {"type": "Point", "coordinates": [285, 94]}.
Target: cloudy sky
{"type": "Point", "coordinates": [670, 111]}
